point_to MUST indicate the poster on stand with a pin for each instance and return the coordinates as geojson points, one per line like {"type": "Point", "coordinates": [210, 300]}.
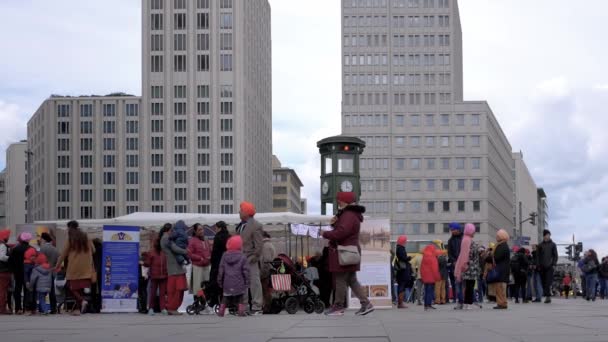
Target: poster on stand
{"type": "Point", "coordinates": [120, 269]}
{"type": "Point", "coordinates": [375, 273]}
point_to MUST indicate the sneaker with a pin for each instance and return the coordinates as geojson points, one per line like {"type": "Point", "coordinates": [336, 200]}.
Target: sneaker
{"type": "Point", "coordinates": [255, 313]}
{"type": "Point", "coordinates": [334, 311]}
{"type": "Point", "coordinates": [151, 312]}
{"type": "Point", "coordinates": [164, 313]}
{"type": "Point", "coordinates": [365, 309]}
{"type": "Point", "coordinates": [548, 300]}
{"type": "Point", "coordinates": [458, 306]}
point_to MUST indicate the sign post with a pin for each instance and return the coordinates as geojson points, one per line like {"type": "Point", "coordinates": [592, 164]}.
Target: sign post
{"type": "Point", "coordinates": [120, 269]}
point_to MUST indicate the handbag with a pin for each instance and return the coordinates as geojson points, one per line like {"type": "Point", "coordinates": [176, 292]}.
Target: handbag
{"type": "Point", "coordinates": [281, 282]}
{"type": "Point", "coordinates": [348, 255]}
{"type": "Point", "coordinates": [493, 274]}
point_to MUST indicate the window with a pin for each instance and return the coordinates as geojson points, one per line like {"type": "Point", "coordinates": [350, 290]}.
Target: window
{"type": "Point", "coordinates": [476, 206]}
{"type": "Point", "coordinates": [109, 161]}
{"type": "Point", "coordinates": [86, 144]}
{"type": "Point", "coordinates": [226, 41]}
{"type": "Point", "coordinates": [63, 162]}
{"type": "Point", "coordinates": [86, 178]}
{"type": "Point", "coordinates": [156, 22]}
{"type": "Point", "coordinates": [132, 109]}
{"type": "Point", "coordinates": [226, 176]}
{"type": "Point", "coordinates": [202, 91]}
{"type": "Point", "coordinates": [86, 212]}
{"type": "Point", "coordinates": [202, 108]}
{"type": "Point", "coordinates": [445, 185]}
{"type": "Point", "coordinates": [179, 143]}
{"type": "Point", "coordinates": [203, 143]}
{"type": "Point", "coordinates": [179, 21]}
{"type": "Point", "coordinates": [63, 127]}
{"type": "Point", "coordinates": [399, 120]}
{"type": "Point", "coordinates": [157, 109]}
{"type": "Point", "coordinates": [475, 119]}
{"type": "Point", "coordinates": [157, 160]}
{"type": "Point", "coordinates": [461, 206]}
{"type": "Point", "coordinates": [225, 62]}
{"type": "Point", "coordinates": [158, 208]}
{"type": "Point", "coordinates": [445, 141]}
{"type": "Point", "coordinates": [86, 127]}
{"type": "Point", "coordinates": [158, 177]}
{"type": "Point", "coordinates": [132, 160]}
{"type": "Point", "coordinates": [429, 120]}
{"type": "Point", "coordinates": [476, 184]}
{"type": "Point", "coordinates": [446, 228]}
{"type": "Point", "coordinates": [157, 194]}
{"type": "Point", "coordinates": [459, 163]}
{"type": "Point", "coordinates": [157, 143]}
{"type": "Point", "coordinates": [203, 194]}
{"type": "Point", "coordinates": [180, 208]}
{"type": "Point", "coordinates": [459, 141]}
{"type": "Point", "coordinates": [179, 125]}
{"type": "Point", "coordinates": [63, 195]}
{"type": "Point", "coordinates": [132, 195]}
{"type": "Point", "coordinates": [445, 163]}
{"type": "Point", "coordinates": [156, 42]}
{"type": "Point", "coordinates": [400, 207]}
{"type": "Point", "coordinates": [415, 119]}
{"type": "Point", "coordinates": [430, 164]}
{"type": "Point", "coordinates": [109, 127]}
{"type": "Point", "coordinates": [203, 176]}
{"type": "Point", "coordinates": [459, 119]}
{"type": "Point", "coordinates": [109, 178]}
{"type": "Point", "coordinates": [202, 4]}
{"type": "Point", "coordinates": [475, 163]}
{"type": "Point", "coordinates": [109, 195]}
{"type": "Point", "coordinates": [416, 207]}
{"type": "Point", "coordinates": [226, 108]}
{"type": "Point", "coordinates": [415, 185]}
{"type": "Point", "coordinates": [430, 141]}
{"type": "Point", "coordinates": [202, 42]}
{"type": "Point", "coordinates": [86, 110]}
{"type": "Point", "coordinates": [461, 183]}
{"type": "Point", "coordinates": [109, 110]}
{"type": "Point", "coordinates": [180, 177]}
{"type": "Point", "coordinates": [226, 159]}
{"type": "Point", "coordinates": [228, 3]}
{"type": "Point", "coordinates": [86, 162]}
{"type": "Point", "coordinates": [156, 65]}
{"type": "Point", "coordinates": [415, 164]}
{"type": "Point", "coordinates": [179, 63]}
{"type": "Point", "coordinates": [157, 126]}
{"type": "Point", "coordinates": [415, 141]}
{"type": "Point", "coordinates": [203, 159]}
{"type": "Point", "coordinates": [400, 164]}
{"type": "Point", "coordinates": [202, 21]}
{"type": "Point", "coordinates": [446, 206]}
{"type": "Point", "coordinates": [179, 108]}
{"type": "Point", "coordinates": [226, 142]}
{"type": "Point", "coordinates": [416, 228]}
{"type": "Point", "coordinates": [180, 159]}
{"type": "Point", "coordinates": [226, 20]}
{"type": "Point", "coordinates": [202, 125]}
{"type": "Point", "coordinates": [63, 178]}
{"type": "Point", "coordinates": [63, 144]}
{"type": "Point", "coordinates": [179, 42]}
{"type": "Point", "coordinates": [430, 185]}
{"type": "Point", "coordinates": [202, 62]}
{"type": "Point", "coordinates": [475, 140]}
{"type": "Point", "coordinates": [430, 207]}
{"type": "Point", "coordinates": [226, 194]}
{"type": "Point", "coordinates": [109, 144]}
{"type": "Point", "coordinates": [226, 125]}
{"type": "Point", "coordinates": [156, 4]}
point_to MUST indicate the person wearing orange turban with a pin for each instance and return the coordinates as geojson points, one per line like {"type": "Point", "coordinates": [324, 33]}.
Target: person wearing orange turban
{"type": "Point", "coordinates": [247, 210]}
{"type": "Point", "coordinates": [251, 233]}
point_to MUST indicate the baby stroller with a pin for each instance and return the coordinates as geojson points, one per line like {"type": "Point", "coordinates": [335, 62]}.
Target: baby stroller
{"type": "Point", "coordinates": [207, 297]}
{"type": "Point", "coordinates": [200, 303]}
{"type": "Point", "coordinates": [301, 293]}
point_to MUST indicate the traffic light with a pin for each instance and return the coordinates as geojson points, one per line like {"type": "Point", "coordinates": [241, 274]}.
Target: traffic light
{"type": "Point", "coordinates": [533, 219]}
{"type": "Point", "coordinates": [569, 252]}
{"type": "Point", "coordinates": [578, 249]}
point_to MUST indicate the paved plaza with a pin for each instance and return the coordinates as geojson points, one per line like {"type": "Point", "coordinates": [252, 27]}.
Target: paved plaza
{"type": "Point", "coordinates": [567, 321]}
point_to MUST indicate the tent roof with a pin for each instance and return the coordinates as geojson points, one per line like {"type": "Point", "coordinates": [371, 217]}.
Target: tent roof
{"type": "Point", "coordinates": [156, 220]}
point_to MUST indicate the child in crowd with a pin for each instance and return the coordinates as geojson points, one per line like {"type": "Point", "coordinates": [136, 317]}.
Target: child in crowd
{"type": "Point", "coordinates": [179, 236]}
{"type": "Point", "coordinates": [41, 281]}
{"type": "Point", "coordinates": [233, 276]}
{"type": "Point", "coordinates": [440, 290]}
{"type": "Point", "coordinates": [429, 273]}
{"type": "Point", "coordinates": [29, 263]}
{"type": "Point", "coordinates": [566, 282]}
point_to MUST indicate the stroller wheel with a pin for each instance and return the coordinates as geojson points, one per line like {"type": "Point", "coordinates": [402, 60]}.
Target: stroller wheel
{"type": "Point", "coordinates": [216, 309]}
{"type": "Point", "coordinates": [291, 305]}
{"type": "Point", "coordinates": [276, 306]}
{"type": "Point", "coordinates": [309, 305]}
{"type": "Point", "coordinates": [319, 307]}
{"type": "Point", "coordinates": [191, 310]}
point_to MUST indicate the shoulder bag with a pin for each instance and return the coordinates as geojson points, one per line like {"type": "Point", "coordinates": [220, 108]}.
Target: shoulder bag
{"type": "Point", "coordinates": [348, 255]}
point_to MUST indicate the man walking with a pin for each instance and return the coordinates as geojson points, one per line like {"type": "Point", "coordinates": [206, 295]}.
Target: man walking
{"type": "Point", "coordinates": [251, 233]}
{"type": "Point", "coordinates": [453, 254]}
{"type": "Point", "coordinates": [547, 259]}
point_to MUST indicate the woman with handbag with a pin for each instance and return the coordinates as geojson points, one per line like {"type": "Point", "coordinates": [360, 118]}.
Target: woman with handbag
{"type": "Point", "coordinates": [498, 275]}
{"type": "Point", "coordinates": [404, 270]}
{"type": "Point", "coordinates": [80, 272]}
{"type": "Point", "coordinates": [345, 254]}
{"type": "Point", "coordinates": [199, 252]}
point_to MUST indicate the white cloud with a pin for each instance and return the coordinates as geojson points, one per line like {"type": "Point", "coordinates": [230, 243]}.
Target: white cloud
{"type": "Point", "coordinates": [13, 127]}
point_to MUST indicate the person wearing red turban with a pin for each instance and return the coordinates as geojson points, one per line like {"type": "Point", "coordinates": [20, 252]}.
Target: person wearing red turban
{"type": "Point", "coordinates": [251, 233]}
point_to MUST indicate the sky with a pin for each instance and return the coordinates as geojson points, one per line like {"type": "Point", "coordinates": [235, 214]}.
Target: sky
{"type": "Point", "coordinates": [539, 64]}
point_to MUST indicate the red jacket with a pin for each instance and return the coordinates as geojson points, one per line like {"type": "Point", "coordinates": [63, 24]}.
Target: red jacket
{"type": "Point", "coordinates": [429, 268]}
{"type": "Point", "coordinates": [345, 233]}
{"type": "Point", "coordinates": [157, 262]}
{"type": "Point", "coordinates": [199, 252]}
{"type": "Point", "coordinates": [567, 280]}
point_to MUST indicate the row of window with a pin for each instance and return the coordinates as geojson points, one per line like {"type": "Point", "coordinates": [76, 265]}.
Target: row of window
{"type": "Point", "coordinates": [397, 21]}
{"type": "Point", "coordinates": [132, 177]}
{"type": "Point", "coordinates": [86, 110]}
{"type": "Point", "coordinates": [412, 80]}
{"type": "Point", "coordinates": [180, 63]}
{"type": "Point", "coordinates": [416, 163]}
{"type": "Point", "coordinates": [180, 22]}
{"type": "Point", "coordinates": [399, 99]}
{"type": "Point", "coordinates": [431, 228]}
{"type": "Point", "coordinates": [412, 60]}
{"type": "Point", "coordinates": [384, 207]}
{"type": "Point", "coordinates": [429, 141]}
{"type": "Point", "coordinates": [383, 185]}
{"type": "Point", "coordinates": [109, 127]}
{"type": "Point", "coordinates": [395, 3]}
{"type": "Point", "coordinates": [416, 40]}
{"type": "Point", "coordinates": [86, 212]}
{"type": "Point", "coordinates": [86, 195]}
{"type": "Point", "coordinates": [180, 42]}
{"type": "Point", "coordinates": [181, 108]}
{"type": "Point", "coordinates": [415, 120]}
{"type": "Point", "coordinates": [181, 4]}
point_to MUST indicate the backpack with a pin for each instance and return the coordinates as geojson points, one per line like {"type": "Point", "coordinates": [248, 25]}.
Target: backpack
{"type": "Point", "coordinates": [515, 264]}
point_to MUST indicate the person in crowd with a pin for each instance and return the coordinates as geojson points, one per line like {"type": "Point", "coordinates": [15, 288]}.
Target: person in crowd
{"type": "Point", "coordinates": [488, 258]}
{"type": "Point", "coordinates": [78, 252]}
{"type": "Point", "coordinates": [179, 237]}
{"type": "Point", "coordinates": [547, 259]}
{"type": "Point", "coordinates": [97, 266]}
{"type": "Point", "coordinates": [566, 282]}
{"type": "Point", "coordinates": [176, 274]}
{"type": "Point", "coordinates": [429, 272]}
{"type": "Point", "coordinates": [501, 259]}
{"type": "Point", "coordinates": [269, 252]}
{"type": "Point", "coordinates": [17, 265]}
{"type": "Point", "coordinates": [481, 281]}
{"type": "Point", "coordinates": [590, 267]}
{"type": "Point", "coordinates": [251, 233]}
{"type": "Point", "coordinates": [419, 285]}
{"type": "Point", "coordinates": [603, 278]}
{"type": "Point", "coordinates": [582, 274]}
{"type": "Point", "coordinates": [519, 269]}
{"type": "Point", "coordinates": [29, 263]}
{"type": "Point", "coordinates": [466, 270]}
{"type": "Point", "coordinates": [537, 283]}
{"type": "Point", "coordinates": [156, 261]}
{"type": "Point", "coordinates": [347, 225]}
{"type": "Point", "coordinates": [403, 270]}
{"type": "Point", "coordinates": [52, 254]}
{"type": "Point", "coordinates": [5, 271]}
{"type": "Point", "coordinates": [324, 283]}
{"type": "Point", "coordinates": [219, 248]}
{"type": "Point", "coordinates": [41, 282]}
{"type": "Point", "coordinates": [453, 253]}
{"type": "Point", "coordinates": [233, 276]}
{"type": "Point", "coordinates": [199, 252]}
{"type": "Point", "coordinates": [440, 292]}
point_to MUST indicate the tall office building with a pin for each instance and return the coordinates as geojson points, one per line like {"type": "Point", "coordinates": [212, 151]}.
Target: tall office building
{"type": "Point", "coordinates": [286, 189]}
{"type": "Point", "coordinates": [15, 182]}
{"type": "Point", "coordinates": [431, 158]}
{"type": "Point", "coordinates": [198, 140]}
{"type": "Point", "coordinates": [526, 201]}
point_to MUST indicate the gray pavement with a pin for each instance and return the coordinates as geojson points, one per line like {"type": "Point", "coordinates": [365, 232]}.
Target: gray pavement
{"type": "Point", "coordinates": [567, 321]}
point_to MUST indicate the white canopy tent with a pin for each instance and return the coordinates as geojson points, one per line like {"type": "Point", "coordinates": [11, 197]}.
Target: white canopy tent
{"type": "Point", "coordinates": [155, 221]}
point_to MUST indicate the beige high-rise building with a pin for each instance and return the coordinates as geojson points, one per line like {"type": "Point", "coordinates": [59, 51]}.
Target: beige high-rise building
{"type": "Point", "coordinates": [286, 189]}
{"type": "Point", "coordinates": [431, 158]}
{"type": "Point", "coordinates": [199, 139]}
{"type": "Point", "coordinates": [2, 200]}
{"type": "Point", "coordinates": [526, 200]}
{"type": "Point", "coordinates": [15, 184]}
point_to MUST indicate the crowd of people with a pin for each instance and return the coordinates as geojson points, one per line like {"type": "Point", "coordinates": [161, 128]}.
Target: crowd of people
{"type": "Point", "coordinates": [234, 270]}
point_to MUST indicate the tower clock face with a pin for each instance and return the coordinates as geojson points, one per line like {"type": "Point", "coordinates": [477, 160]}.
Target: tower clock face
{"type": "Point", "coordinates": [325, 188]}
{"type": "Point", "coordinates": [346, 186]}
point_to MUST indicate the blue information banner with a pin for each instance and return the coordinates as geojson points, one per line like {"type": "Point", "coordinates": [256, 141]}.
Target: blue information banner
{"type": "Point", "coordinates": [120, 271]}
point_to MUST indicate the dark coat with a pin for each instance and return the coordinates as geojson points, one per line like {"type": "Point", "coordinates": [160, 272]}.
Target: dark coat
{"type": "Point", "coordinates": [454, 248]}
{"type": "Point", "coordinates": [345, 233]}
{"type": "Point", "coordinates": [233, 275]}
{"type": "Point", "coordinates": [502, 257]}
{"type": "Point", "coordinates": [403, 275]}
{"type": "Point", "coordinates": [219, 248]}
{"type": "Point", "coordinates": [547, 254]}
{"type": "Point", "coordinates": [16, 259]}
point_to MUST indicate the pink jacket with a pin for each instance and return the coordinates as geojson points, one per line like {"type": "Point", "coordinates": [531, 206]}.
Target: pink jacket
{"type": "Point", "coordinates": [199, 252]}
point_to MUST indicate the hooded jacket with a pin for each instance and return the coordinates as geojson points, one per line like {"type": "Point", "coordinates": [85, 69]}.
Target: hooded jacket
{"type": "Point", "coordinates": [157, 262]}
{"type": "Point", "coordinates": [429, 267]}
{"type": "Point", "coordinates": [547, 254]}
{"type": "Point", "coordinates": [454, 248]}
{"type": "Point", "coordinates": [41, 279]}
{"type": "Point", "coordinates": [345, 233]}
{"type": "Point", "coordinates": [233, 275]}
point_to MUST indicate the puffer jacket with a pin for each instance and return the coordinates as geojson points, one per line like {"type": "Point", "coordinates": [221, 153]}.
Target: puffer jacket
{"type": "Point", "coordinates": [429, 268]}
{"type": "Point", "coordinates": [199, 252]}
{"type": "Point", "coordinates": [41, 279]}
{"type": "Point", "coordinates": [157, 262]}
{"type": "Point", "coordinates": [345, 233]}
{"type": "Point", "coordinates": [233, 276]}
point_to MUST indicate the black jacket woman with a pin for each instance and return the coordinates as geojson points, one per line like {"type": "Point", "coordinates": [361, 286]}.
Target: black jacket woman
{"type": "Point", "coordinates": [219, 248]}
{"type": "Point", "coordinates": [404, 271]}
{"type": "Point", "coordinates": [502, 260]}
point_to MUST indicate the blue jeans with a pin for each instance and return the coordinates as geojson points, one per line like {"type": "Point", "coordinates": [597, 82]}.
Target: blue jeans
{"type": "Point", "coordinates": [429, 294]}
{"type": "Point", "coordinates": [456, 287]}
{"type": "Point", "coordinates": [603, 287]}
{"type": "Point", "coordinates": [43, 307]}
{"type": "Point", "coordinates": [481, 289]}
{"type": "Point", "coordinates": [591, 280]}
{"type": "Point", "coordinates": [538, 285]}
